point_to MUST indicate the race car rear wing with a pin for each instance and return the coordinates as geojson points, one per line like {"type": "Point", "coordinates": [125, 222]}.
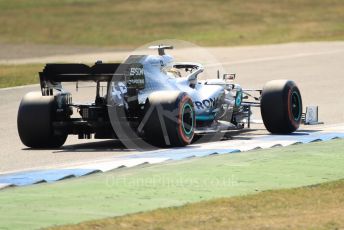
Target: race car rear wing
{"type": "Point", "coordinates": [53, 74]}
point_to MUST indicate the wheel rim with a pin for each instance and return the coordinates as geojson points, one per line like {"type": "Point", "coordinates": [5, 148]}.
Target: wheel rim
{"type": "Point", "coordinates": [187, 119]}
{"type": "Point", "coordinates": [296, 105]}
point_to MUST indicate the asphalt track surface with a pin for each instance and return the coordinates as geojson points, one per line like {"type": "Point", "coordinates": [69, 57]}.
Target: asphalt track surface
{"type": "Point", "coordinates": [316, 67]}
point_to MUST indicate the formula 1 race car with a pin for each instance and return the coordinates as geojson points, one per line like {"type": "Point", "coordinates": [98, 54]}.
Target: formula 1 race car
{"type": "Point", "coordinates": [162, 101]}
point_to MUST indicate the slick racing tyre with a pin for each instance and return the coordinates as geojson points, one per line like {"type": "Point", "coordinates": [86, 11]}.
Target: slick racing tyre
{"type": "Point", "coordinates": [281, 106]}
{"type": "Point", "coordinates": [170, 119]}
{"type": "Point", "coordinates": [34, 122]}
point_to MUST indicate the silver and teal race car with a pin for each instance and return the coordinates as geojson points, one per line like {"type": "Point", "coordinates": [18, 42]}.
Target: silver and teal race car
{"type": "Point", "coordinates": [151, 99]}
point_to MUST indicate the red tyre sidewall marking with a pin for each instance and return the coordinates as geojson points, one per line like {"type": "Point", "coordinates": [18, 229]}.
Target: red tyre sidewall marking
{"type": "Point", "coordinates": [185, 138]}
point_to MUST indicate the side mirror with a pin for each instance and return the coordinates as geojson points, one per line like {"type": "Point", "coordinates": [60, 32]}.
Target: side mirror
{"type": "Point", "coordinates": [193, 76]}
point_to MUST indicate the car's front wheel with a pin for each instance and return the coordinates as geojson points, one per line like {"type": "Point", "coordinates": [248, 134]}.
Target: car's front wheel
{"type": "Point", "coordinates": [281, 106]}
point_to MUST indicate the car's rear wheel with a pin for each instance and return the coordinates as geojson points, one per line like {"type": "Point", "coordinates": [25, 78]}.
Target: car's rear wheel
{"type": "Point", "coordinates": [170, 119]}
{"type": "Point", "coordinates": [34, 122]}
{"type": "Point", "coordinates": [281, 106]}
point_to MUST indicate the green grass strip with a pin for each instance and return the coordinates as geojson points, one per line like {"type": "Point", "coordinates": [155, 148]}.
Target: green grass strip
{"type": "Point", "coordinates": [16, 75]}
{"type": "Point", "coordinates": [176, 183]}
{"type": "Point", "coordinates": [311, 207]}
